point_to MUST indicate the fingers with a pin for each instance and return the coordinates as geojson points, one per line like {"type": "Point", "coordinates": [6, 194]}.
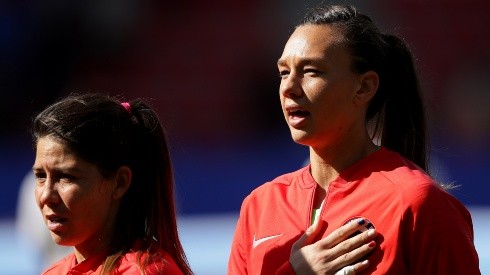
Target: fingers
{"type": "Point", "coordinates": [353, 269]}
{"type": "Point", "coordinates": [310, 234]}
{"type": "Point", "coordinates": [360, 266]}
{"type": "Point", "coordinates": [342, 233]}
{"type": "Point", "coordinates": [301, 251]}
{"type": "Point", "coordinates": [343, 249]}
{"type": "Point", "coordinates": [345, 258]}
{"type": "Point", "coordinates": [348, 270]}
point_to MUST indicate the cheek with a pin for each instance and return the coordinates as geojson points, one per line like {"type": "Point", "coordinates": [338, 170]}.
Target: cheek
{"type": "Point", "coordinates": [80, 197]}
{"type": "Point", "coordinates": [314, 85]}
{"type": "Point", "coordinates": [281, 95]}
{"type": "Point", "coordinates": [282, 99]}
{"type": "Point", "coordinates": [37, 195]}
{"type": "Point", "coordinates": [318, 91]}
{"type": "Point", "coordinates": [96, 209]}
{"type": "Point", "coordinates": [87, 208]}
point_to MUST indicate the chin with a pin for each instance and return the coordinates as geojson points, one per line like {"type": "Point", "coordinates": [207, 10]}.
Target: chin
{"type": "Point", "coordinates": [300, 139]}
{"type": "Point", "coordinates": [60, 240]}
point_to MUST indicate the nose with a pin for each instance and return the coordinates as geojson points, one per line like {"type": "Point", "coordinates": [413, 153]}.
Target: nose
{"type": "Point", "coordinates": [291, 86]}
{"type": "Point", "coordinates": [47, 193]}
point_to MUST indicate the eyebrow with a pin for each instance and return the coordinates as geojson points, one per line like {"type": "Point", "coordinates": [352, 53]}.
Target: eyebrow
{"type": "Point", "coordinates": [62, 170]}
{"type": "Point", "coordinates": [280, 62]}
{"type": "Point", "coordinates": [303, 61]}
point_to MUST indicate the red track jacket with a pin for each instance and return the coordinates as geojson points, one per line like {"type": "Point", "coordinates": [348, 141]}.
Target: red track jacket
{"type": "Point", "coordinates": [421, 228]}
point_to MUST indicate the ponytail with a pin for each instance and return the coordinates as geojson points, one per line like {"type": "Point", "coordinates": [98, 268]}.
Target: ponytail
{"type": "Point", "coordinates": [402, 115]}
{"type": "Point", "coordinates": [148, 212]}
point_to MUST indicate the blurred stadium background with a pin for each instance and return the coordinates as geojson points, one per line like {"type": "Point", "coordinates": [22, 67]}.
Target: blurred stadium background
{"type": "Point", "coordinates": [209, 68]}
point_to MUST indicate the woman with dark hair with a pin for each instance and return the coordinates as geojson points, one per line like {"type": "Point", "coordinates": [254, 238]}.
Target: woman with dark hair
{"type": "Point", "coordinates": [365, 203]}
{"type": "Point", "coordinates": [104, 185]}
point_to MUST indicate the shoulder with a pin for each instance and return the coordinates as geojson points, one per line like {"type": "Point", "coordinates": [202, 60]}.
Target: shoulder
{"type": "Point", "coordinates": [413, 187]}
{"type": "Point", "coordinates": [429, 201]}
{"type": "Point", "coordinates": [416, 187]}
{"type": "Point", "coordinates": [424, 201]}
{"type": "Point", "coordinates": [162, 263]}
{"type": "Point", "coordinates": [62, 266]}
{"type": "Point", "coordinates": [159, 262]}
{"type": "Point", "coordinates": [399, 175]}
{"type": "Point", "coordinates": [300, 178]}
{"type": "Point", "coordinates": [280, 186]}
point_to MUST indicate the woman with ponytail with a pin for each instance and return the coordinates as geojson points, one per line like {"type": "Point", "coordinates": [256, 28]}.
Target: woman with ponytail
{"type": "Point", "coordinates": [104, 185]}
{"type": "Point", "coordinates": [365, 203]}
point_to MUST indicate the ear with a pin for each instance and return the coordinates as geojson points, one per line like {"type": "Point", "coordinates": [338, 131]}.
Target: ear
{"type": "Point", "coordinates": [369, 82]}
{"type": "Point", "coordinates": [123, 181]}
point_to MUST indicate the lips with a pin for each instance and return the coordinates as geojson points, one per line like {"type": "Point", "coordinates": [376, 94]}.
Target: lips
{"type": "Point", "coordinates": [55, 222]}
{"type": "Point", "coordinates": [296, 115]}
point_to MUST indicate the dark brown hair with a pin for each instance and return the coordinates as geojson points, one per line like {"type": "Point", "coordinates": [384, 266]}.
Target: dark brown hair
{"type": "Point", "coordinates": [98, 129]}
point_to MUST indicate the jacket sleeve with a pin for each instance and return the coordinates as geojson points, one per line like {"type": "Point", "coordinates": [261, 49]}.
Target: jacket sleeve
{"type": "Point", "coordinates": [438, 233]}
{"type": "Point", "coordinates": [237, 263]}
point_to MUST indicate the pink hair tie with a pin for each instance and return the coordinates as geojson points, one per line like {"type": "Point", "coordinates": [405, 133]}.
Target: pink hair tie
{"type": "Point", "coordinates": [127, 107]}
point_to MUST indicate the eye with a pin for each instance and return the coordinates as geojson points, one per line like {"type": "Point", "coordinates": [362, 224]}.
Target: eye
{"type": "Point", "coordinates": [283, 74]}
{"type": "Point", "coordinates": [67, 178]}
{"type": "Point", "coordinates": [40, 177]}
{"type": "Point", "coordinates": [312, 71]}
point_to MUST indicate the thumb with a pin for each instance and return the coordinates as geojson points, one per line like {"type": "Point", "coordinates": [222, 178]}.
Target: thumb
{"type": "Point", "coordinates": [309, 236]}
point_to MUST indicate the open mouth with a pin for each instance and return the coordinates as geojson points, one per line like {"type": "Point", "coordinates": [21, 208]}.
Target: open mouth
{"type": "Point", "coordinates": [298, 113]}
{"type": "Point", "coordinates": [53, 219]}
{"type": "Point", "coordinates": [57, 220]}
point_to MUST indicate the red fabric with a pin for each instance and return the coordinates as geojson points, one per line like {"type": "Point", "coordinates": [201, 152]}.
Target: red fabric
{"type": "Point", "coordinates": [162, 264]}
{"type": "Point", "coordinates": [421, 228]}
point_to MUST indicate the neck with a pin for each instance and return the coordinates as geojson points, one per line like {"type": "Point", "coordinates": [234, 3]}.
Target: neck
{"type": "Point", "coordinates": [97, 243]}
{"type": "Point", "coordinates": [328, 162]}
{"type": "Point", "coordinates": [82, 253]}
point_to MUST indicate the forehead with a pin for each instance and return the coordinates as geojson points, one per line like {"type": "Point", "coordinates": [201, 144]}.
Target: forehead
{"type": "Point", "coordinates": [52, 151]}
{"type": "Point", "coordinates": [314, 41]}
